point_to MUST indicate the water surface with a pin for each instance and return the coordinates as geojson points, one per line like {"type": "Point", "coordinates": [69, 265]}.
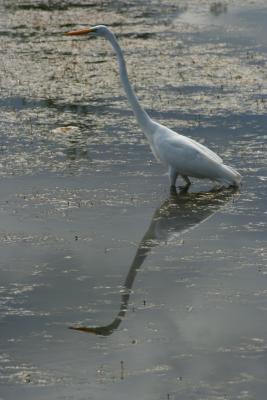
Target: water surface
{"type": "Point", "coordinates": [168, 291]}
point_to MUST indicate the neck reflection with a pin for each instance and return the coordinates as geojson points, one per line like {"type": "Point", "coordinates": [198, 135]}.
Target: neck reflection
{"type": "Point", "coordinates": [178, 213]}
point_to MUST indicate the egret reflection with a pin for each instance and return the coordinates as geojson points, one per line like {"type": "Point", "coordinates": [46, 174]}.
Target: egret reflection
{"type": "Point", "coordinates": [178, 213]}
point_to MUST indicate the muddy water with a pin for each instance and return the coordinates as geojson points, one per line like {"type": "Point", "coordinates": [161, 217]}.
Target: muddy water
{"type": "Point", "coordinates": [169, 291]}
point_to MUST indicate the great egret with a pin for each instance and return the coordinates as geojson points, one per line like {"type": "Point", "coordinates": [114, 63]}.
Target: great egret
{"type": "Point", "coordinates": [182, 155]}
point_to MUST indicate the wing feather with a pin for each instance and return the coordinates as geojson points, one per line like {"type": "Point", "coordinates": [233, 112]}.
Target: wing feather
{"type": "Point", "coordinates": [187, 155]}
{"type": "Point", "coordinates": [206, 151]}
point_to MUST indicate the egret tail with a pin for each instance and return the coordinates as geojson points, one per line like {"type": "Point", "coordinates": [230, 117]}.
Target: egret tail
{"type": "Point", "coordinates": [229, 175]}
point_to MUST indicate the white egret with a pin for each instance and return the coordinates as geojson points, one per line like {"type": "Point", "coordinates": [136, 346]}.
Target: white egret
{"type": "Point", "coordinates": [182, 156]}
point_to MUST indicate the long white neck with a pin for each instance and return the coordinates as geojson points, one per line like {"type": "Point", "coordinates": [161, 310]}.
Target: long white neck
{"type": "Point", "coordinates": [142, 117]}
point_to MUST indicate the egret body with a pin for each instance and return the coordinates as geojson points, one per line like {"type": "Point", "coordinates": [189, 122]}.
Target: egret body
{"type": "Point", "coordinates": [181, 155]}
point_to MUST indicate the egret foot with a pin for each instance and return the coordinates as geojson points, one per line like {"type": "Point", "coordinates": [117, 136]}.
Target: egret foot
{"type": "Point", "coordinates": [184, 189]}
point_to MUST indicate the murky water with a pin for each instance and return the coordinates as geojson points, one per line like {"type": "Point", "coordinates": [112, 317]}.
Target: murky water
{"type": "Point", "coordinates": [168, 291]}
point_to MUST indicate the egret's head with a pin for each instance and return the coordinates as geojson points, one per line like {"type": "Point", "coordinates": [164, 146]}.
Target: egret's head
{"type": "Point", "coordinates": [98, 30]}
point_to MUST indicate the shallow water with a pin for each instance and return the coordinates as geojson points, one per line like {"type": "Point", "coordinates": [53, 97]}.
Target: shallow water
{"type": "Point", "coordinates": [169, 291]}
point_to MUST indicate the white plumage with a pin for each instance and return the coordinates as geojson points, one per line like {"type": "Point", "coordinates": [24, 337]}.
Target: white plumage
{"type": "Point", "coordinates": [182, 155]}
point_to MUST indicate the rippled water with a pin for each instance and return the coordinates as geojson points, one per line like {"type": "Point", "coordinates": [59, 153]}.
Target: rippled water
{"type": "Point", "coordinates": [166, 294]}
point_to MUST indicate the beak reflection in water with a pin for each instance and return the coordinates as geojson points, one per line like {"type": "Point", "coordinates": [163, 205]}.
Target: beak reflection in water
{"type": "Point", "coordinates": [178, 213]}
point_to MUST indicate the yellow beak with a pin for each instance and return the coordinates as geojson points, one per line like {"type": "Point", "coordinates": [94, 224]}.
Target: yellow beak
{"type": "Point", "coordinates": [79, 32]}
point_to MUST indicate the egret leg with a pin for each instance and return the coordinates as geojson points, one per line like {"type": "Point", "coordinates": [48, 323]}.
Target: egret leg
{"type": "Point", "coordinates": [173, 176]}
{"type": "Point", "coordinates": [173, 191]}
{"type": "Point", "coordinates": [187, 183]}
